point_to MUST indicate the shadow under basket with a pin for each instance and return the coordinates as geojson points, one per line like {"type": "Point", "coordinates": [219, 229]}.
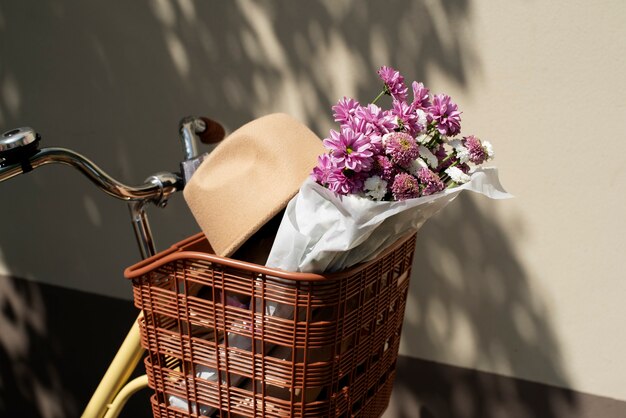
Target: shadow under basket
{"type": "Point", "coordinates": [226, 338]}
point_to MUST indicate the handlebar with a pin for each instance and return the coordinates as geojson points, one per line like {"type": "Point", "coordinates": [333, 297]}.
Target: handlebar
{"type": "Point", "coordinates": [156, 188]}
{"type": "Point", "coordinates": [19, 154]}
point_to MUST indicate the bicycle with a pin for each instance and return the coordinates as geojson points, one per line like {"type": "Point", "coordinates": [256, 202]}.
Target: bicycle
{"type": "Point", "coordinates": [20, 154]}
{"type": "Point", "coordinates": [299, 344]}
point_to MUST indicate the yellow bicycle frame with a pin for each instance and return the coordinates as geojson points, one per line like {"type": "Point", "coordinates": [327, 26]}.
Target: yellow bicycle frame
{"type": "Point", "coordinates": [113, 392]}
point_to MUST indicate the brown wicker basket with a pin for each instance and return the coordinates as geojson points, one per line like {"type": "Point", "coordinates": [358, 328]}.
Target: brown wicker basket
{"type": "Point", "coordinates": [233, 339]}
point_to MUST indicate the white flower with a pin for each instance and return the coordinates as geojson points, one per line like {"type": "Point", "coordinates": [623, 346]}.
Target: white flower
{"type": "Point", "coordinates": [423, 139]}
{"type": "Point", "coordinates": [488, 149]}
{"type": "Point", "coordinates": [462, 153]}
{"type": "Point", "coordinates": [386, 138]}
{"type": "Point", "coordinates": [375, 187]}
{"type": "Point", "coordinates": [425, 153]}
{"type": "Point", "coordinates": [415, 166]}
{"type": "Point", "coordinates": [421, 117]}
{"type": "Point", "coordinates": [457, 175]}
{"type": "Point", "coordinates": [455, 143]}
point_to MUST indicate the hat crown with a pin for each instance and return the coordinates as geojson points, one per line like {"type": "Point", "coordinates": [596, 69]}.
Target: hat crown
{"type": "Point", "coordinates": [250, 177]}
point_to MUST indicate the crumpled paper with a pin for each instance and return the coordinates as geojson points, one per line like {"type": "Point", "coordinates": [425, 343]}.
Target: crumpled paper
{"type": "Point", "coordinates": [322, 231]}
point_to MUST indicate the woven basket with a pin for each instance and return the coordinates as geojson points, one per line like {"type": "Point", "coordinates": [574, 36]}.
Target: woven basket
{"type": "Point", "coordinates": [232, 339]}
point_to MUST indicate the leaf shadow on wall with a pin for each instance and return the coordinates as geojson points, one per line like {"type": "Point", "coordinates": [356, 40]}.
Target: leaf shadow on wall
{"type": "Point", "coordinates": [470, 304]}
{"type": "Point", "coordinates": [113, 83]}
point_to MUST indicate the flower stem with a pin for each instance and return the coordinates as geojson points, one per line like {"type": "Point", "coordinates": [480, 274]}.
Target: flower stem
{"type": "Point", "coordinates": [435, 139]}
{"type": "Point", "coordinates": [445, 160]}
{"type": "Point", "coordinates": [445, 177]}
{"type": "Point", "coordinates": [381, 94]}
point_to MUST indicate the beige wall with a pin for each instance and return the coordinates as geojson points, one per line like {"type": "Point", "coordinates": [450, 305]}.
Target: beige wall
{"type": "Point", "coordinates": [530, 287]}
{"type": "Point", "coordinates": [534, 287]}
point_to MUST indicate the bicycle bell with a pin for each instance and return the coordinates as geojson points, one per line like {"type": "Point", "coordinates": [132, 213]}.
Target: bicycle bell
{"type": "Point", "coordinates": [18, 145]}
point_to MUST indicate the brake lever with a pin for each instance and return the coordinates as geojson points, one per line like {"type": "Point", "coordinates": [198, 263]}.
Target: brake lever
{"type": "Point", "coordinates": [191, 130]}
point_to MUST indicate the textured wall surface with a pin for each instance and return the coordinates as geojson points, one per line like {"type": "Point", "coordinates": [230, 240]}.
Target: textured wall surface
{"type": "Point", "coordinates": [530, 288]}
{"type": "Point", "coordinates": [533, 287]}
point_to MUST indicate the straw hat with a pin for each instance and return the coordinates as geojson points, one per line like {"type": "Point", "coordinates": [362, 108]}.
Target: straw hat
{"type": "Point", "coordinates": [250, 177]}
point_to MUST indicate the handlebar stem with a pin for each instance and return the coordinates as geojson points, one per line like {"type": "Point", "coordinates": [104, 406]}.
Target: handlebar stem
{"type": "Point", "coordinates": [189, 127]}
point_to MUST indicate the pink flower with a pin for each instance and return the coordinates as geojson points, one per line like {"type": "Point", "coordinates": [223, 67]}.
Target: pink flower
{"type": "Point", "coordinates": [383, 167]}
{"type": "Point", "coordinates": [346, 181]}
{"type": "Point", "coordinates": [421, 98]}
{"type": "Point", "coordinates": [431, 183]}
{"type": "Point", "coordinates": [398, 152]}
{"type": "Point", "coordinates": [379, 120]}
{"type": "Point", "coordinates": [323, 169]}
{"type": "Point", "coordinates": [394, 82]}
{"type": "Point", "coordinates": [405, 186]}
{"type": "Point", "coordinates": [406, 118]}
{"type": "Point", "coordinates": [344, 110]}
{"type": "Point", "coordinates": [338, 179]}
{"type": "Point", "coordinates": [360, 125]}
{"type": "Point", "coordinates": [445, 114]}
{"type": "Point", "coordinates": [401, 147]}
{"type": "Point", "coordinates": [349, 149]}
{"type": "Point", "coordinates": [477, 153]}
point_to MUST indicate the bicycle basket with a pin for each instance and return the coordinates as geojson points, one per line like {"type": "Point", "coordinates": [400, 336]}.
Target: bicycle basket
{"type": "Point", "coordinates": [233, 339]}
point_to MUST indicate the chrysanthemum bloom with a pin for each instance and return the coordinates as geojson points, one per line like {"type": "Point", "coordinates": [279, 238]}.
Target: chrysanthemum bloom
{"type": "Point", "coordinates": [344, 110]}
{"type": "Point", "coordinates": [428, 156]}
{"type": "Point", "coordinates": [394, 82]}
{"type": "Point", "coordinates": [405, 186]}
{"type": "Point", "coordinates": [478, 151]}
{"type": "Point", "coordinates": [401, 147]}
{"type": "Point", "coordinates": [359, 125]}
{"type": "Point", "coordinates": [346, 181]}
{"type": "Point", "coordinates": [421, 96]}
{"type": "Point", "coordinates": [460, 151]}
{"type": "Point", "coordinates": [475, 150]}
{"type": "Point", "coordinates": [431, 183]}
{"type": "Point", "coordinates": [383, 167]}
{"type": "Point", "coordinates": [406, 118]}
{"type": "Point", "coordinates": [375, 187]}
{"type": "Point", "coordinates": [323, 168]}
{"type": "Point", "coordinates": [351, 150]}
{"type": "Point", "coordinates": [377, 143]}
{"type": "Point", "coordinates": [377, 119]}
{"type": "Point", "coordinates": [445, 113]}
{"type": "Point", "coordinates": [457, 175]}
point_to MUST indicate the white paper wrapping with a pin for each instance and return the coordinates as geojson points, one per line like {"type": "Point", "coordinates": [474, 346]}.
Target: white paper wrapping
{"type": "Point", "coordinates": [322, 231]}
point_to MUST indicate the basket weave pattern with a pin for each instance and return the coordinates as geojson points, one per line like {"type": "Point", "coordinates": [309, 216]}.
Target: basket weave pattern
{"type": "Point", "coordinates": [307, 345]}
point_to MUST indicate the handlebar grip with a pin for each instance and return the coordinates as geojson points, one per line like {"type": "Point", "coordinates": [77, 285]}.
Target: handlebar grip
{"type": "Point", "coordinates": [213, 133]}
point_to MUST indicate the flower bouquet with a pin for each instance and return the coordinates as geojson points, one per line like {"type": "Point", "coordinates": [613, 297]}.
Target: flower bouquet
{"type": "Point", "coordinates": [385, 173]}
